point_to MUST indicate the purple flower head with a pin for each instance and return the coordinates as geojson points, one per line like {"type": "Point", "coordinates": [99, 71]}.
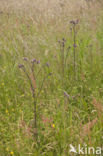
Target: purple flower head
{"type": "Point", "coordinates": [64, 40]}
{"type": "Point", "coordinates": [47, 64]}
{"type": "Point", "coordinates": [74, 22]}
{"type": "Point", "coordinates": [20, 65]}
{"type": "Point", "coordinates": [66, 94]}
{"type": "Point", "coordinates": [25, 58]}
{"type": "Point", "coordinates": [33, 61]}
{"type": "Point", "coordinates": [74, 45]}
{"type": "Point", "coordinates": [38, 62]}
{"type": "Point", "coordinates": [77, 21]}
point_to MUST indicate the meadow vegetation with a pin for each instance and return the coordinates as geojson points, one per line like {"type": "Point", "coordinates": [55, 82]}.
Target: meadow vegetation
{"type": "Point", "coordinates": [51, 72]}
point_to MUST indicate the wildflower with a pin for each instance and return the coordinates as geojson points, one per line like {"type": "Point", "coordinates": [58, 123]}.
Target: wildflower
{"type": "Point", "coordinates": [74, 45]}
{"type": "Point", "coordinates": [6, 111]}
{"type": "Point", "coordinates": [20, 110]}
{"type": "Point", "coordinates": [53, 125]}
{"type": "Point", "coordinates": [64, 40]}
{"type": "Point", "coordinates": [12, 110]}
{"type": "Point", "coordinates": [22, 95]}
{"type": "Point", "coordinates": [7, 149]}
{"type": "Point", "coordinates": [12, 153]}
{"type": "Point", "coordinates": [66, 94]}
{"type": "Point", "coordinates": [77, 21]}
{"type": "Point", "coordinates": [25, 58]}
{"type": "Point", "coordinates": [47, 64]}
{"type": "Point", "coordinates": [38, 62]}
{"type": "Point", "coordinates": [20, 65]}
{"type": "Point", "coordinates": [74, 22]}
{"type": "Point", "coordinates": [34, 60]}
{"type": "Point", "coordinates": [2, 84]}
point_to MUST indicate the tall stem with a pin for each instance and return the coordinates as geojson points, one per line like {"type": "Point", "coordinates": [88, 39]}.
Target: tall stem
{"type": "Point", "coordinates": [63, 65]}
{"type": "Point", "coordinates": [74, 49]}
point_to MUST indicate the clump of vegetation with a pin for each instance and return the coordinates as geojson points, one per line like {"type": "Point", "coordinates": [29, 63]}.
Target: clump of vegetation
{"type": "Point", "coordinates": [32, 77]}
{"type": "Point", "coordinates": [47, 105]}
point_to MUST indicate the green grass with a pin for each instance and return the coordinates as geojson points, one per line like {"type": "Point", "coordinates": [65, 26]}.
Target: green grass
{"type": "Point", "coordinates": [60, 121]}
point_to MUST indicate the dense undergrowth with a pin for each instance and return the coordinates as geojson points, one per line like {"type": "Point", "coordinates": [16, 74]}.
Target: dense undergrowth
{"type": "Point", "coordinates": [69, 106]}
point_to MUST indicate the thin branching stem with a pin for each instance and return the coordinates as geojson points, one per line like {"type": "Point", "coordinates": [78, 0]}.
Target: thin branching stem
{"type": "Point", "coordinates": [42, 86]}
{"type": "Point", "coordinates": [74, 49]}
{"type": "Point", "coordinates": [32, 88]}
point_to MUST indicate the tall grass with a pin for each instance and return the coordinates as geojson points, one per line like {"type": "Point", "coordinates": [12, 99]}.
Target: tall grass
{"type": "Point", "coordinates": [68, 110]}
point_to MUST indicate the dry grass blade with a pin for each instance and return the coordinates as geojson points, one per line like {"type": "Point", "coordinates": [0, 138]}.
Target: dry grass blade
{"type": "Point", "coordinates": [97, 105]}
{"type": "Point", "coordinates": [87, 127]}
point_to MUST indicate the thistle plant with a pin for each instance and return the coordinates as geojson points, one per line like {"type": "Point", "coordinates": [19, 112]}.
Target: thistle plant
{"type": "Point", "coordinates": [74, 24]}
{"type": "Point", "coordinates": [63, 57]}
{"type": "Point", "coordinates": [32, 76]}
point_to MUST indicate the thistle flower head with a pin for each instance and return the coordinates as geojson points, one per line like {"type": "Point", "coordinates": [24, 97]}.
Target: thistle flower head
{"type": "Point", "coordinates": [25, 58]}
{"type": "Point", "coordinates": [74, 22]}
{"type": "Point", "coordinates": [74, 45]}
{"type": "Point", "coordinates": [64, 40]}
{"type": "Point", "coordinates": [33, 61]}
{"type": "Point", "coordinates": [47, 64]}
{"type": "Point", "coordinates": [20, 65]}
{"type": "Point", "coordinates": [38, 62]}
{"type": "Point", "coordinates": [66, 94]}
